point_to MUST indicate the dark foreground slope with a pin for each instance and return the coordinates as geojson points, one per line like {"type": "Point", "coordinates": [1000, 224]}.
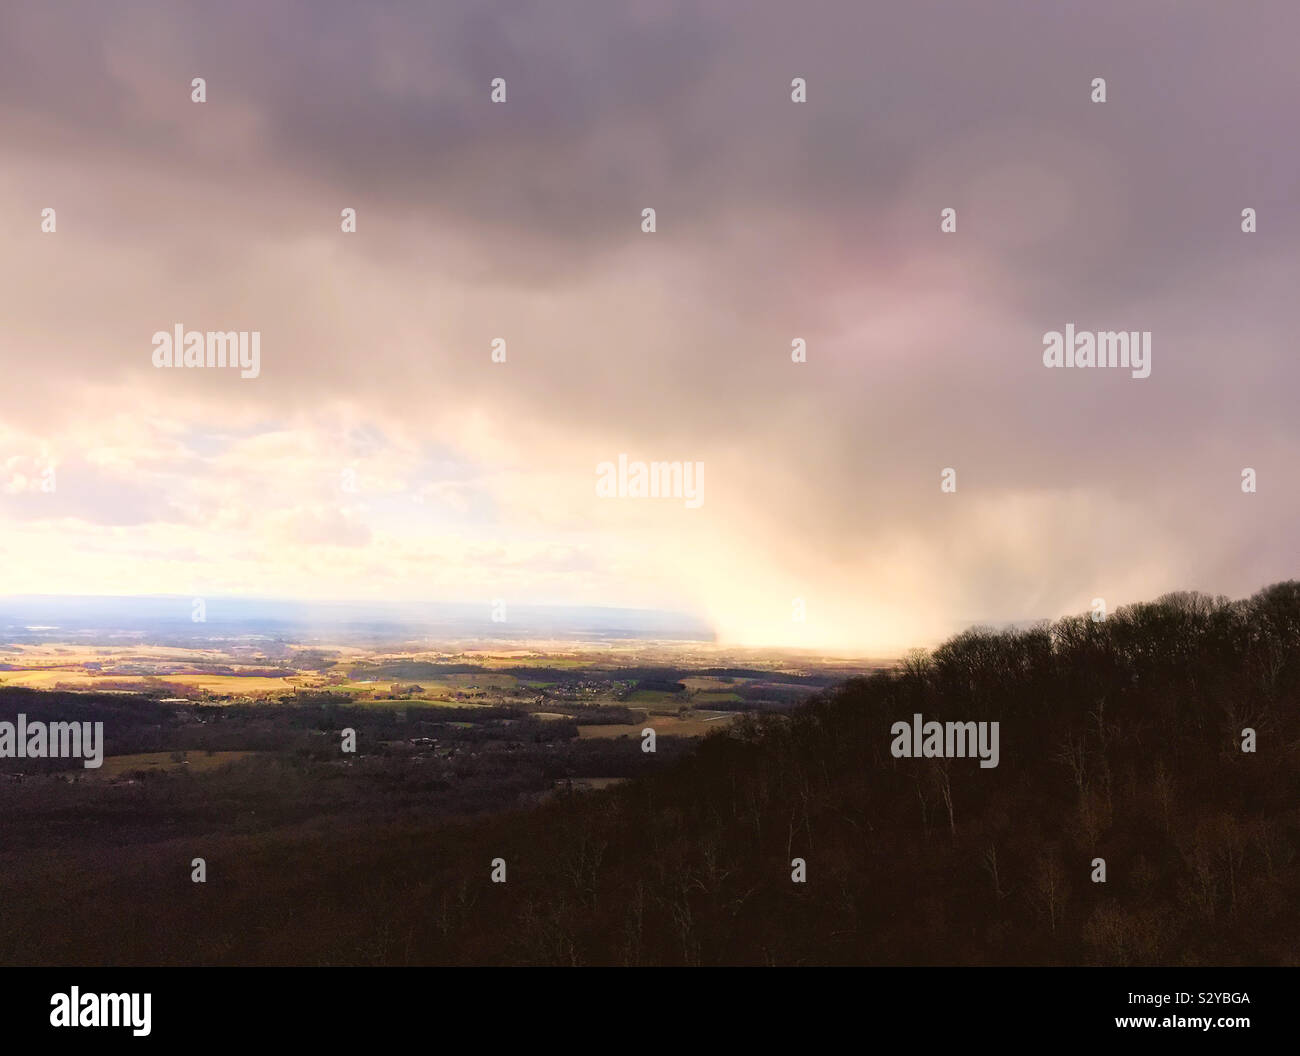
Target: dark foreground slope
{"type": "Point", "coordinates": [1120, 740]}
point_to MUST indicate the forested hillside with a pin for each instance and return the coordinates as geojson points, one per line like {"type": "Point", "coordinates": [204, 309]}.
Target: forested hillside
{"type": "Point", "coordinates": [1120, 740]}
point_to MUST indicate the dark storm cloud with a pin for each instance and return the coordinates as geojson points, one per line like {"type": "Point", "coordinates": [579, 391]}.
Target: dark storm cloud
{"type": "Point", "coordinates": [775, 221]}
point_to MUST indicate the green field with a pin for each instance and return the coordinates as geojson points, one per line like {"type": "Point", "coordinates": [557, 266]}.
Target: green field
{"type": "Point", "coordinates": [710, 697]}
{"type": "Point", "coordinates": [655, 696]}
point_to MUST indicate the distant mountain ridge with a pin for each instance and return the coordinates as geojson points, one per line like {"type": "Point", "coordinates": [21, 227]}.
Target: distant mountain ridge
{"type": "Point", "coordinates": [172, 615]}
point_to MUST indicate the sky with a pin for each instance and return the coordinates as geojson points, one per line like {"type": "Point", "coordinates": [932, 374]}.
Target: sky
{"type": "Point", "coordinates": [380, 453]}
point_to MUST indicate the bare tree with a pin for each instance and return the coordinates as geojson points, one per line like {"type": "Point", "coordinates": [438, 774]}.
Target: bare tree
{"type": "Point", "coordinates": [1073, 752]}
{"type": "Point", "coordinates": [1051, 888]}
{"type": "Point", "coordinates": [925, 808]}
{"type": "Point", "coordinates": [940, 774]}
{"type": "Point", "coordinates": [1162, 787]}
{"type": "Point", "coordinates": [989, 860]}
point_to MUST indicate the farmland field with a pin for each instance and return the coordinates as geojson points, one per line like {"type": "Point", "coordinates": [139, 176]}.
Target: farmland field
{"type": "Point", "coordinates": [194, 762]}
{"type": "Point", "coordinates": [655, 696]}
{"type": "Point", "coordinates": [667, 725]}
{"type": "Point", "coordinates": [219, 685]}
